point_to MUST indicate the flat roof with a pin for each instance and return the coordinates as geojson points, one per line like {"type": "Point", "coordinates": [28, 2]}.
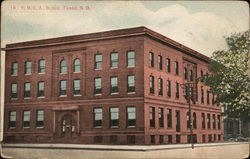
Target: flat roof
{"type": "Point", "coordinates": [127, 32]}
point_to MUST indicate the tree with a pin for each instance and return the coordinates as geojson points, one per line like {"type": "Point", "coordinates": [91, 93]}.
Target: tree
{"type": "Point", "coordinates": [230, 79]}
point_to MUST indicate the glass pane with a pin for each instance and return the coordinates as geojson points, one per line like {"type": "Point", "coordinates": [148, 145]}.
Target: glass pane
{"type": "Point", "coordinates": [131, 80]}
{"type": "Point", "coordinates": [40, 115]}
{"type": "Point", "coordinates": [13, 116]}
{"type": "Point", "coordinates": [98, 57]}
{"type": "Point", "coordinates": [26, 116]}
{"type": "Point", "coordinates": [27, 87]}
{"type": "Point", "coordinates": [14, 87]}
{"type": "Point", "coordinates": [41, 85]}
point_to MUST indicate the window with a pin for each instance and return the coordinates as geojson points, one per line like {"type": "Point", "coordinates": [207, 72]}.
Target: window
{"type": "Point", "coordinates": [41, 66]}
{"type": "Point", "coordinates": [202, 95]}
{"type": "Point", "coordinates": [201, 75]}
{"type": "Point", "coordinates": [152, 139]}
{"type": "Point", "coordinates": [159, 62]}
{"type": "Point", "coordinates": [169, 116]}
{"type": "Point", "coordinates": [114, 85]}
{"type": "Point", "coordinates": [131, 116]}
{"type": "Point", "coordinates": [77, 65]}
{"type": "Point", "coordinates": [113, 139]}
{"type": "Point", "coordinates": [26, 119]}
{"type": "Point", "coordinates": [98, 139]}
{"type": "Point", "coordinates": [98, 86]}
{"type": "Point", "coordinates": [98, 61]}
{"type": "Point", "coordinates": [168, 65]}
{"type": "Point", "coordinates": [63, 66]}
{"type": "Point", "coordinates": [214, 122]}
{"type": "Point", "coordinates": [26, 90]}
{"type": "Point", "coordinates": [13, 90]}
{"type": "Point", "coordinates": [188, 120]}
{"type": "Point", "coordinates": [152, 117]}
{"type": "Point", "coordinates": [178, 139]}
{"type": "Point", "coordinates": [203, 138]}
{"type": "Point", "coordinates": [151, 59]}
{"type": "Point", "coordinates": [208, 98]}
{"type": "Point", "coordinates": [219, 137]}
{"type": "Point", "coordinates": [203, 120]}
{"type": "Point", "coordinates": [176, 90]}
{"type": "Point", "coordinates": [12, 119]}
{"type": "Point", "coordinates": [161, 117]}
{"type": "Point", "coordinates": [168, 88]}
{"type": "Point", "coordinates": [131, 139]}
{"type": "Point", "coordinates": [176, 68]}
{"type": "Point", "coordinates": [97, 117]}
{"type": "Point", "coordinates": [185, 73]}
{"type": "Point", "coordinates": [161, 139]}
{"type": "Point", "coordinates": [178, 121]}
{"type": "Point", "coordinates": [27, 69]}
{"type": "Point", "coordinates": [39, 118]}
{"type": "Point", "coordinates": [210, 138]}
{"type": "Point", "coordinates": [131, 83]}
{"type": "Point", "coordinates": [160, 92]}
{"type": "Point", "coordinates": [77, 87]}
{"type": "Point", "coordinates": [151, 84]}
{"type": "Point", "coordinates": [63, 88]}
{"type": "Point", "coordinates": [114, 117]}
{"type": "Point", "coordinates": [218, 120]}
{"type": "Point", "coordinates": [130, 58]}
{"type": "Point", "coordinates": [214, 137]}
{"type": "Point", "coordinates": [14, 68]}
{"type": "Point", "coordinates": [208, 121]}
{"type": "Point", "coordinates": [194, 121]}
{"type": "Point", "coordinates": [40, 92]}
{"type": "Point", "coordinates": [114, 60]}
{"type": "Point", "coordinates": [170, 139]}
{"type": "Point", "coordinates": [213, 100]}
{"type": "Point", "coordinates": [191, 75]}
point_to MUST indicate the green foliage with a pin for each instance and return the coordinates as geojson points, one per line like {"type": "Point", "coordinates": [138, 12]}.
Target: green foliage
{"type": "Point", "coordinates": [230, 79]}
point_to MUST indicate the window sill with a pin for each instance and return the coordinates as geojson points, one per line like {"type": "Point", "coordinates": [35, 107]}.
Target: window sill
{"type": "Point", "coordinates": [63, 73]}
{"type": "Point", "coordinates": [114, 127]}
{"type": "Point", "coordinates": [114, 93]}
{"type": "Point", "coordinates": [41, 97]}
{"type": "Point", "coordinates": [131, 126]}
{"type": "Point", "coordinates": [98, 127]}
{"type": "Point", "coordinates": [130, 66]}
{"type": "Point", "coordinates": [131, 92]}
{"type": "Point", "coordinates": [13, 98]}
{"type": "Point", "coordinates": [77, 95]}
{"type": "Point", "coordinates": [97, 94]}
{"type": "Point", "coordinates": [26, 127]}
{"type": "Point", "coordinates": [14, 75]}
{"type": "Point", "coordinates": [12, 128]}
{"type": "Point", "coordinates": [97, 69]}
{"type": "Point", "coordinates": [63, 96]}
{"type": "Point", "coordinates": [41, 73]}
{"type": "Point", "coordinates": [27, 74]}
{"type": "Point", "coordinates": [39, 127]}
{"type": "Point", "coordinates": [113, 67]}
{"type": "Point", "coordinates": [77, 72]}
{"type": "Point", "coordinates": [27, 98]}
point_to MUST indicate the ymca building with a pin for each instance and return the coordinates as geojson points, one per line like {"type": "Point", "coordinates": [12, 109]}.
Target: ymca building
{"type": "Point", "coordinates": [114, 87]}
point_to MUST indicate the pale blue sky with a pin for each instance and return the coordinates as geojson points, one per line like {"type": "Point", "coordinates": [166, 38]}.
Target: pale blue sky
{"type": "Point", "coordinates": [201, 26]}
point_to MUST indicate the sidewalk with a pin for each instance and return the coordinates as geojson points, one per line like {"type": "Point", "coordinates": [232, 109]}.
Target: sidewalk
{"type": "Point", "coordinates": [232, 150]}
{"type": "Point", "coordinates": [117, 147]}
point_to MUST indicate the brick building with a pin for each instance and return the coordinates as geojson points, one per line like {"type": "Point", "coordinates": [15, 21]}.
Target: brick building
{"type": "Point", "coordinates": [113, 87]}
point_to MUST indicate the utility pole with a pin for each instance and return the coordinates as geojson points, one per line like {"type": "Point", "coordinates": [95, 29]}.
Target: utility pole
{"type": "Point", "coordinates": [189, 92]}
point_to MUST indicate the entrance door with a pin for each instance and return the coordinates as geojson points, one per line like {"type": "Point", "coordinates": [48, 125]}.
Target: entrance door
{"type": "Point", "coordinates": [67, 126]}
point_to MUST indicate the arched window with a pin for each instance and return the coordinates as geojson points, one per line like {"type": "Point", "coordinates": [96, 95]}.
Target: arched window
{"type": "Point", "coordinates": [77, 65]}
{"type": "Point", "coordinates": [63, 66]}
{"type": "Point", "coordinates": [194, 121]}
{"type": "Point", "coordinates": [185, 73]}
{"type": "Point", "coordinates": [191, 75]}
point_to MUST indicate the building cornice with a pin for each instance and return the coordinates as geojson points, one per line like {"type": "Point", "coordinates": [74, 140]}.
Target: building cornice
{"type": "Point", "coordinates": [122, 33]}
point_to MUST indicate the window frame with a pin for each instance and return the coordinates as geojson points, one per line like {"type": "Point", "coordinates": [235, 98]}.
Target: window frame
{"type": "Point", "coordinates": [131, 86]}
{"type": "Point", "coordinates": [97, 88]}
{"type": "Point", "coordinates": [77, 65]}
{"type": "Point", "coordinates": [63, 67]}
{"type": "Point", "coordinates": [114, 88]}
{"type": "Point", "coordinates": [40, 92]}
{"type": "Point", "coordinates": [26, 67]}
{"type": "Point", "coordinates": [41, 68]}
{"type": "Point", "coordinates": [61, 89]}
{"type": "Point", "coordinates": [159, 62]}
{"type": "Point", "coordinates": [114, 63]}
{"type": "Point", "coordinates": [27, 92]}
{"type": "Point", "coordinates": [97, 123]}
{"type": "Point", "coordinates": [151, 84]}
{"type": "Point", "coordinates": [131, 123]}
{"type": "Point", "coordinates": [76, 90]}
{"type": "Point", "coordinates": [27, 124]}
{"type": "Point", "coordinates": [114, 123]}
{"type": "Point", "coordinates": [14, 70]}
{"type": "Point", "coordinates": [12, 122]}
{"type": "Point", "coordinates": [129, 58]}
{"type": "Point", "coordinates": [39, 123]}
{"type": "Point", "coordinates": [151, 59]}
{"type": "Point", "coordinates": [98, 63]}
{"type": "Point", "coordinates": [14, 93]}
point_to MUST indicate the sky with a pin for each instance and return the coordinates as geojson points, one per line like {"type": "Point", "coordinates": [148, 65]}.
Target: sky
{"type": "Point", "coordinates": [200, 25]}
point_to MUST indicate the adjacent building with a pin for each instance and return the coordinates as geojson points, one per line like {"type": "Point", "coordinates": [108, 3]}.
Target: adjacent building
{"type": "Point", "coordinates": [115, 87]}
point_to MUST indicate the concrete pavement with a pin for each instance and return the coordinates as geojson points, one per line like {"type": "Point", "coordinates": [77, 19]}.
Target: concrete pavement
{"type": "Point", "coordinates": [77, 151]}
